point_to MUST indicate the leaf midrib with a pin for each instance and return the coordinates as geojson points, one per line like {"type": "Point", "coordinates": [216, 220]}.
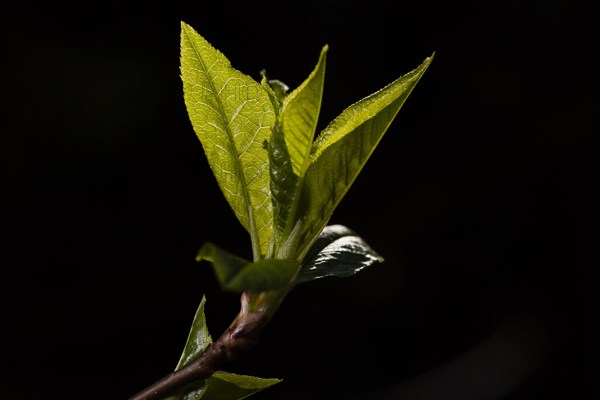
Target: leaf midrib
{"type": "Point", "coordinates": [222, 114]}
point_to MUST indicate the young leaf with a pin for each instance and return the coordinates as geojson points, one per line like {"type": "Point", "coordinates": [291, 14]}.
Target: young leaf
{"type": "Point", "coordinates": [276, 90]}
{"type": "Point", "coordinates": [284, 183]}
{"type": "Point", "coordinates": [344, 146]}
{"type": "Point", "coordinates": [264, 275]}
{"type": "Point", "coordinates": [227, 386]}
{"type": "Point", "coordinates": [221, 385]}
{"type": "Point", "coordinates": [289, 149]}
{"type": "Point", "coordinates": [225, 264]}
{"type": "Point", "coordinates": [300, 114]}
{"type": "Point", "coordinates": [337, 252]}
{"type": "Point", "coordinates": [232, 116]}
{"type": "Point", "coordinates": [238, 275]}
{"type": "Point", "coordinates": [198, 338]}
{"type": "Point", "coordinates": [193, 391]}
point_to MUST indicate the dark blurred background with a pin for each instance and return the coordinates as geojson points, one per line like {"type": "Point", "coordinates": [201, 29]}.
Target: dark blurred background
{"type": "Point", "coordinates": [479, 197]}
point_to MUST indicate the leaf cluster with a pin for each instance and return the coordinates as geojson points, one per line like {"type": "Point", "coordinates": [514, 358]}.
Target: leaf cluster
{"type": "Point", "coordinates": [259, 139]}
{"type": "Point", "coordinates": [282, 183]}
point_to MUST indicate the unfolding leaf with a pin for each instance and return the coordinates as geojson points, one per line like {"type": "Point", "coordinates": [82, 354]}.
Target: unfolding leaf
{"type": "Point", "coordinates": [232, 116]}
{"type": "Point", "coordinates": [289, 148]}
{"type": "Point", "coordinates": [345, 145]}
{"type": "Point", "coordinates": [337, 252]}
{"type": "Point", "coordinates": [276, 90]}
{"type": "Point", "coordinates": [284, 183]}
{"type": "Point", "coordinates": [238, 275]}
{"type": "Point", "coordinates": [300, 114]}
{"type": "Point", "coordinates": [225, 264]}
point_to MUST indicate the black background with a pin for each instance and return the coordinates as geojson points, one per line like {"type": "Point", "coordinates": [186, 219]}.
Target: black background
{"type": "Point", "coordinates": [479, 197]}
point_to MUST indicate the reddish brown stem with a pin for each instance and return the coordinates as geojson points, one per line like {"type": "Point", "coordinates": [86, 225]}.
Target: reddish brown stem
{"type": "Point", "coordinates": [241, 336]}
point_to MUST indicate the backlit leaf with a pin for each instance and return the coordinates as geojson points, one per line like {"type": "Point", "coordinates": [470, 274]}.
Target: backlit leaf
{"type": "Point", "coordinates": [232, 116]}
{"type": "Point", "coordinates": [264, 275]}
{"type": "Point", "coordinates": [198, 338]}
{"type": "Point", "coordinates": [342, 149]}
{"type": "Point", "coordinates": [300, 114]}
{"type": "Point", "coordinates": [226, 265]}
{"type": "Point", "coordinates": [236, 274]}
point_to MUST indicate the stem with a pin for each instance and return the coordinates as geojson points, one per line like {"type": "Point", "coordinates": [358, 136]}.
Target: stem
{"type": "Point", "coordinates": [240, 337]}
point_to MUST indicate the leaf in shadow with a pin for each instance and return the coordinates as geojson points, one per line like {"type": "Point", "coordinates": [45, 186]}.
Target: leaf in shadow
{"type": "Point", "coordinates": [337, 252]}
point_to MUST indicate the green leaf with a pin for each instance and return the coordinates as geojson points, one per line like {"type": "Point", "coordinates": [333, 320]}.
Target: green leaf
{"type": "Point", "coordinates": [227, 386]}
{"type": "Point", "coordinates": [193, 391]}
{"type": "Point", "coordinates": [284, 183]}
{"type": "Point", "coordinates": [238, 275]}
{"type": "Point", "coordinates": [288, 154]}
{"type": "Point", "coordinates": [300, 114]}
{"type": "Point", "coordinates": [221, 385]}
{"type": "Point", "coordinates": [342, 149]}
{"type": "Point", "coordinates": [226, 265]}
{"type": "Point", "coordinates": [337, 252]}
{"type": "Point", "coordinates": [264, 275]}
{"type": "Point", "coordinates": [198, 339]}
{"type": "Point", "coordinates": [232, 116]}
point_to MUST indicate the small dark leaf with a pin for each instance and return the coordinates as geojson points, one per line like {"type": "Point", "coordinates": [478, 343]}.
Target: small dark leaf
{"type": "Point", "coordinates": [337, 252]}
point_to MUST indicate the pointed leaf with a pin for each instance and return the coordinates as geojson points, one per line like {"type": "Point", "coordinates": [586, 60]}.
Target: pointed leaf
{"type": "Point", "coordinates": [232, 115]}
{"type": "Point", "coordinates": [227, 386]}
{"type": "Point", "coordinates": [238, 275]}
{"type": "Point", "coordinates": [345, 145]}
{"type": "Point", "coordinates": [288, 154]}
{"type": "Point", "coordinates": [300, 114]}
{"type": "Point", "coordinates": [337, 252]}
{"type": "Point", "coordinates": [198, 339]}
{"type": "Point", "coordinates": [226, 265]}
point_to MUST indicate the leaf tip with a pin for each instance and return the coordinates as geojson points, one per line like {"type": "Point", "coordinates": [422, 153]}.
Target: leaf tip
{"type": "Point", "coordinates": [204, 253]}
{"type": "Point", "coordinates": [184, 26]}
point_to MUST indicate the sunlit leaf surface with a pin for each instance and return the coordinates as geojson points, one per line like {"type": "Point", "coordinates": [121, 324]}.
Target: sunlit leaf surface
{"type": "Point", "coordinates": [232, 116]}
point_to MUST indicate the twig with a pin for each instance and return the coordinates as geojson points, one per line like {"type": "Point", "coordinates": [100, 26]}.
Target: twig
{"type": "Point", "coordinates": [240, 337]}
